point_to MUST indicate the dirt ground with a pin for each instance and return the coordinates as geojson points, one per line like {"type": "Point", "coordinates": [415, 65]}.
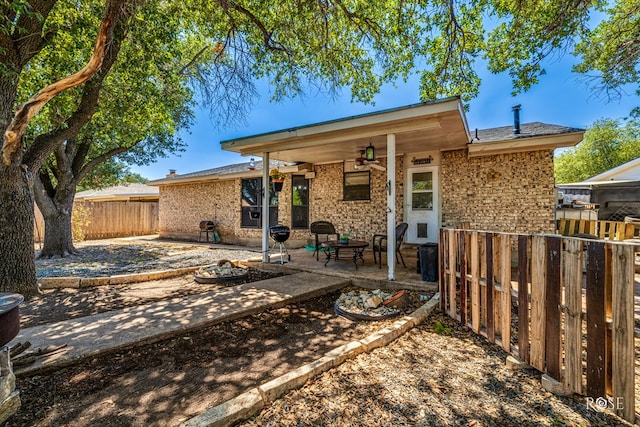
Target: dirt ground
{"type": "Point", "coordinates": [438, 374]}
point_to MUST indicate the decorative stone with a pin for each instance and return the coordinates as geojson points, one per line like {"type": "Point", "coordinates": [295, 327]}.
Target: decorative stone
{"type": "Point", "coordinates": [554, 386]}
{"type": "Point", "coordinates": [366, 303]}
{"type": "Point", "coordinates": [373, 302]}
{"type": "Point", "coordinates": [515, 364]}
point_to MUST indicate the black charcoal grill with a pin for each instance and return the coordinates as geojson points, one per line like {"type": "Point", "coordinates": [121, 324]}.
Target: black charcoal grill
{"type": "Point", "coordinates": [280, 234]}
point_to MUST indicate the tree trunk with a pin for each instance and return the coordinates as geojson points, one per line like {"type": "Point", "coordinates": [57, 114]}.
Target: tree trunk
{"type": "Point", "coordinates": [58, 238]}
{"type": "Point", "coordinates": [56, 206]}
{"type": "Point", "coordinates": [17, 263]}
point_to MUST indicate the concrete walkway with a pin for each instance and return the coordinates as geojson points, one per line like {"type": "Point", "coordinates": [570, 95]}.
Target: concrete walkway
{"type": "Point", "coordinates": [93, 335]}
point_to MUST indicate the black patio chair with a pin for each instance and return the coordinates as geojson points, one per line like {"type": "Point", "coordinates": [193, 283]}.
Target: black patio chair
{"type": "Point", "coordinates": [380, 244]}
{"type": "Point", "coordinates": [322, 228]}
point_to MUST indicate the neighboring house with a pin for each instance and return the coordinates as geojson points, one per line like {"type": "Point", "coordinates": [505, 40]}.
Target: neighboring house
{"type": "Point", "coordinates": [124, 192]}
{"type": "Point", "coordinates": [442, 175]}
{"type": "Point", "coordinates": [611, 195]}
{"type": "Point", "coordinates": [118, 211]}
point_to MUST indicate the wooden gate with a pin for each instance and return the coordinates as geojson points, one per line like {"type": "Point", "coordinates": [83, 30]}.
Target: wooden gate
{"type": "Point", "coordinates": [563, 305]}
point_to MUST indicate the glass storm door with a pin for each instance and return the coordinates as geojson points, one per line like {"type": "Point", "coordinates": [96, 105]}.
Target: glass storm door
{"type": "Point", "coordinates": [422, 204]}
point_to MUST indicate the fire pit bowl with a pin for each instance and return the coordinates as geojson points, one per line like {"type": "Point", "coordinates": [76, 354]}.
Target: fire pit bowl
{"type": "Point", "coordinates": [224, 272]}
{"type": "Point", "coordinates": [9, 316]}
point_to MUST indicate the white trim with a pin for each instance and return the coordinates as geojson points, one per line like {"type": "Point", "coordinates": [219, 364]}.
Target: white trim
{"type": "Point", "coordinates": [265, 209]}
{"type": "Point", "coordinates": [549, 142]}
{"type": "Point", "coordinates": [611, 173]}
{"type": "Point", "coordinates": [391, 207]}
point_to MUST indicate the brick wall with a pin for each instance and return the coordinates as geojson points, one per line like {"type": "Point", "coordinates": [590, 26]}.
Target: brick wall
{"type": "Point", "coordinates": [182, 207]}
{"type": "Point", "coordinates": [362, 218]}
{"type": "Point", "coordinates": [506, 192]}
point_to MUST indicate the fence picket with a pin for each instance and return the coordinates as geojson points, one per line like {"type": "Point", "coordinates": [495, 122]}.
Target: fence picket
{"type": "Point", "coordinates": [538, 287]}
{"type": "Point", "coordinates": [572, 279]}
{"type": "Point", "coordinates": [596, 325]}
{"type": "Point", "coordinates": [623, 344]}
{"type": "Point", "coordinates": [475, 283]}
{"type": "Point", "coordinates": [505, 279]}
{"type": "Point", "coordinates": [553, 301]}
{"type": "Point", "coordinates": [491, 333]}
{"type": "Point", "coordinates": [523, 299]}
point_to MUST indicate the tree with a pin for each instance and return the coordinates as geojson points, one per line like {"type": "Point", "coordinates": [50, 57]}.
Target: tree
{"type": "Point", "coordinates": [145, 105]}
{"type": "Point", "coordinates": [20, 18]}
{"type": "Point", "coordinates": [607, 144]}
{"type": "Point", "coordinates": [297, 45]}
{"type": "Point", "coordinates": [528, 33]}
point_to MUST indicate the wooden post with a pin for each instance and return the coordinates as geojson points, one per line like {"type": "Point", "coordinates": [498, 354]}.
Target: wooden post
{"type": "Point", "coordinates": [452, 274]}
{"type": "Point", "coordinates": [622, 270]}
{"type": "Point", "coordinates": [573, 316]}
{"type": "Point", "coordinates": [463, 276]}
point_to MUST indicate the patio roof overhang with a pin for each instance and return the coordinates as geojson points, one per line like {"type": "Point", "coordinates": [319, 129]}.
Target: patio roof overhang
{"type": "Point", "coordinates": [434, 126]}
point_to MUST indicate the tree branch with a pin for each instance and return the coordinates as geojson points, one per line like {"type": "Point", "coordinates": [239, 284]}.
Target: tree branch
{"type": "Point", "coordinates": [12, 145]}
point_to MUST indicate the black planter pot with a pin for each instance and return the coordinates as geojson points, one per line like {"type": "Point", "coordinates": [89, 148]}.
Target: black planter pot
{"type": "Point", "coordinates": [277, 185]}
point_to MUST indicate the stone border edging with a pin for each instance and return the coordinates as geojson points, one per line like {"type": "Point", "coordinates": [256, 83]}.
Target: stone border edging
{"type": "Point", "coordinates": [119, 279]}
{"type": "Point", "coordinates": [252, 401]}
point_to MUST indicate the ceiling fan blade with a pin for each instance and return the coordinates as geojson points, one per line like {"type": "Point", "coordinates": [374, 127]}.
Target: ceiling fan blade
{"type": "Point", "coordinates": [376, 166]}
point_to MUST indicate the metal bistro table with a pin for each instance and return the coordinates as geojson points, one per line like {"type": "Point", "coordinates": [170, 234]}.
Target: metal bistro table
{"type": "Point", "coordinates": [358, 247]}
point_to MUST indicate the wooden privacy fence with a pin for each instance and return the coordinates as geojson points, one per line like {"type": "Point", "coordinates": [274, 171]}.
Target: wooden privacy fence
{"type": "Point", "coordinates": [103, 220]}
{"type": "Point", "coordinates": [612, 230]}
{"type": "Point", "coordinates": [563, 305]}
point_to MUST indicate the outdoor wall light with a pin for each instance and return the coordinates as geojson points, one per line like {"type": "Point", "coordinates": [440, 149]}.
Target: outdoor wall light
{"type": "Point", "coordinates": [370, 153]}
{"type": "Point", "coordinates": [252, 164]}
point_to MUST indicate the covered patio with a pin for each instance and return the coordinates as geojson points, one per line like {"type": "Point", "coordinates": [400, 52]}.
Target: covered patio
{"type": "Point", "coordinates": [429, 127]}
{"type": "Point", "coordinates": [367, 275]}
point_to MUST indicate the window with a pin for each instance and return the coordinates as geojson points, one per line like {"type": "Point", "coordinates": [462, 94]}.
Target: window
{"type": "Point", "coordinates": [422, 191]}
{"type": "Point", "coordinates": [299, 202]}
{"type": "Point", "coordinates": [356, 186]}
{"type": "Point", "coordinates": [252, 202]}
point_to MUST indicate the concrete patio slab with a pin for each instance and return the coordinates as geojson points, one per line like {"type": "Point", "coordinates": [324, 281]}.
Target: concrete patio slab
{"type": "Point", "coordinates": [100, 333]}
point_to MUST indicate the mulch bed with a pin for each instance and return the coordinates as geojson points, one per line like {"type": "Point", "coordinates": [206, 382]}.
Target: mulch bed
{"type": "Point", "coordinates": [170, 381]}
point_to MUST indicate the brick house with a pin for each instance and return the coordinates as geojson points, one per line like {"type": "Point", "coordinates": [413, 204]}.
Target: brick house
{"type": "Point", "coordinates": [498, 179]}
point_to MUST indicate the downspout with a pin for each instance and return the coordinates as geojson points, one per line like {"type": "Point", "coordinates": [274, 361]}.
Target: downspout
{"type": "Point", "coordinates": [265, 207]}
{"type": "Point", "coordinates": [391, 206]}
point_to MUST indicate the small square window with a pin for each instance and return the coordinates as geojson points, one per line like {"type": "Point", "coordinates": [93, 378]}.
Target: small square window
{"type": "Point", "coordinates": [357, 186]}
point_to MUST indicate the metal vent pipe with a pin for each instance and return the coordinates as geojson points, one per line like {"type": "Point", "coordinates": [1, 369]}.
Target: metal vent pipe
{"type": "Point", "coordinates": [516, 119]}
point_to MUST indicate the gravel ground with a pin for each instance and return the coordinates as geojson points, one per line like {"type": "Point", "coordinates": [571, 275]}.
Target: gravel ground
{"type": "Point", "coordinates": [105, 258]}
{"type": "Point", "coordinates": [430, 377]}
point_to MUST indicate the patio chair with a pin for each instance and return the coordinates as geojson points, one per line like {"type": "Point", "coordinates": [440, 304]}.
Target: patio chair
{"type": "Point", "coordinates": [380, 244]}
{"type": "Point", "coordinates": [322, 228]}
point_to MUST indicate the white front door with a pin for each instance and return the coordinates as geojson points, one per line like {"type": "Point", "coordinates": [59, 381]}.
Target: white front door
{"type": "Point", "coordinates": [422, 204]}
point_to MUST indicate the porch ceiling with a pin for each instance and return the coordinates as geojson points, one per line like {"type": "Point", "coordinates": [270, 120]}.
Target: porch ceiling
{"type": "Point", "coordinates": [436, 126]}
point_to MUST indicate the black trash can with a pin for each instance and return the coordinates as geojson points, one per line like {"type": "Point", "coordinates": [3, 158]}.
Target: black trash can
{"type": "Point", "coordinates": [428, 258]}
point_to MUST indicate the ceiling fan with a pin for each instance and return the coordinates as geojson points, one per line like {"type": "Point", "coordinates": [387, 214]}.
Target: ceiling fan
{"type": "Point", "coordinates": [361, 163]}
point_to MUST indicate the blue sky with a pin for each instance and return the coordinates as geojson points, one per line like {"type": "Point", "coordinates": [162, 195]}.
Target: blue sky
{"type": "Point", "coordinates": [561, 98]}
